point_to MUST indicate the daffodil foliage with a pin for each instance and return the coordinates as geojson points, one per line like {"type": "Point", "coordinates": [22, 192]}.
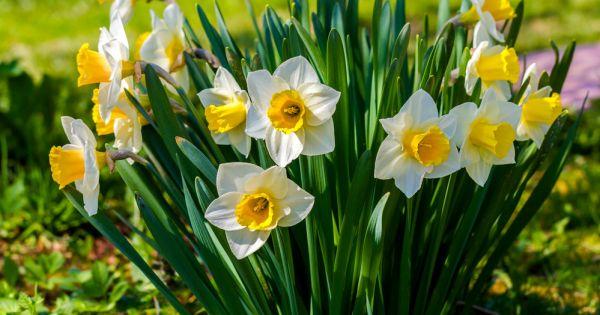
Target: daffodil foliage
{"type": "Point", "coordinates": [327, 168]}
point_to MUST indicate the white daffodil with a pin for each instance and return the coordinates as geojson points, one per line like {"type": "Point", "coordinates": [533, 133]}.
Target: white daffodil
{"type": "Point", "coordinates": [124, 8]}
{"type": "Point", "coordinates": [486, 134]}
{"type": "Point", "coordinates": [485, 30]}
{"type": "Point", "coordinates": [418, 145]}
{"type": "Point", "coordinates": [539, 109]}
{"type": "Point", "coordinates": [125, 123]}
{"type": "Point", "coordinates": [292, 111]}
{"type": "Point", "coordinates": [164, 46]}
{"type": "Point", "coordinates": [107, 66]}
{"type": "Point", "coordinates": [225, 108]}
{"type": "Point", "coordinates": [496, 66]}
{"type": "Point", "coordinates": [252, 202]}
{"type": "Point", "coordinates": [78, 162]}
{"type": "Point", "coordinates": [498, 9]}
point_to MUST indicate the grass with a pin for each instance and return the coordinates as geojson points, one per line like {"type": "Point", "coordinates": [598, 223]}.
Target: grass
{"type": "Point", "coordinates": [45, 35]}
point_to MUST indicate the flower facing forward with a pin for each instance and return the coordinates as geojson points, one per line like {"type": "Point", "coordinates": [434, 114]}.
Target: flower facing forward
{"type": "Point", "coordinates": [107, 66]}
{"type": "Point", "coordinates": [226, 106]}
{"type": "Point", "coordinates": [292, 111]}
{"type": "Point", "coordinates": [78, 162]}
{"type": "Point", "coordinates": [164, 46]}
{"type": "Point", "coordinates": [498, 9]}
{"type": "Point", "coordinates": [496, 66]}
{"type": "Point", "coordinates": [125, 123]}
{"type": "Point", "coordinates": [486, 134]}
{"type": "Point", "coordinates": [418, 145]}
{"type": "Point", "coordinates": [539, 109]}
{"type": "Point", "coordinates": [252, 202]}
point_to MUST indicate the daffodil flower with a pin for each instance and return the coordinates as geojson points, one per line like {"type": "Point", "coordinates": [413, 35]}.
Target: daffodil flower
{"type": "Point", "coordinates": [540, 108]}
{"type": "Point", "coordinates": [124, 8]}
{"type": "Point", "coordinates": [418, 145]}
{"type": "Point", "coordinates": [252, 202]}
{"type": "Point", "coordinates": [292, 111]}
{"type": "Point", "coordinates": [496, 66]}
{"type": "Point", "coordinates": [164, 46]}
{"type": "Point", "coordinates": [486, 134]}
{"type": "Point", "coordinates": [498, 9]}
{"type": "Point", "coordinates": [125, 123]}
{"type": "Point", "coordinates": [225, 108]}
{"type": "Point", "coordinates": [107, 66]}
{"type": "Point", "coordinates": [485, 30]}
{"type": "Point", "coordinates": [78, 162]}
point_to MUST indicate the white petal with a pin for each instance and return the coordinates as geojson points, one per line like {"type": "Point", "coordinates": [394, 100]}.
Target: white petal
{"type": "Point", "coordinates": [479, 172]}
{"type": "Point", "coordinates": [448, 125]}
{"type": "Point", "coordinates": [257, 122]}
{"type": "Point", "coordinates": [214, 96]}
{"type": "Point", "coordinates": [397, 125]}
{"type": "Point", "coordinates": [124, 8]}
{"type": "Point", "coordinates": [182, 77]}
{"type": "Point", "coordinates": [319, 139]}
{"type": "Point", "coordinates": [154, 48]}
{"type": "Point", "coordinates": [284, 148]}
{"type": "Point", "coordinates": [410, 177]}
{"type": "Point", "coordinates": [320, 100]}
{"type": "Point", "coordinates": [77, 131]}
{"type": "Point", "coordinates": [421, 107]}
{"type": "Point", "coordinates": [297, 71]}
{"type": "Point", "coordinates": [272, 181]}
{"type": "Point", "coordinates": [91, 175]}
{"type": "Point", "coordinates": [471, 75]}
{"type": "Point", "coordinates": [221, 212]}
{"type": "Point", "coordinates": [221, 138]}
{"type": "Point", "coordinates": [262, 86]}
{"type": "Point", "coordinates": [240, 140]}
{"type": "Point", "coordinates": [225, 80]}
{"type": "Point", "coordinates": [451, 165]}
{"type": "Point", "coordinates": [232, 176]}
{"type": "Point", "coordinates": [464, 115]}
{"type": "Point", "coordinates": [532, 74]}
{"type": "Point", "coordinates": [90, 199]}
{"type": "Point", "coordinates": [469, 154]}
{"type": "Point", "coordinates": [173, 17]}
{"type": "Point", "coordinates": [508, 159]}
{"type": "Point", "coordinates": [485, 30]}
{"type": "Point", "coordinates": [389, 159]}
{"type": "Point", "coordinates": [245, 242]}
{"type": "Point", "coordinates": [299, 202]}
{"type": "Point", "coordinates": [118, 31]}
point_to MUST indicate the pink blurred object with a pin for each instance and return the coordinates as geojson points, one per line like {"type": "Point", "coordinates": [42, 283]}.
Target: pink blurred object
{"type": "Point", "coordinates": [583, 77]}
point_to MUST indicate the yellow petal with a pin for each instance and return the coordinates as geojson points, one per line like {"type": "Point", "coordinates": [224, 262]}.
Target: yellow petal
{"type": "Point", "coordinates": [542, 110]}
{"type": "Point", "coordinates": [499, 67]}
{"type": "Point", "coordinates": [225, 117]}
{"type": "Point", "coordinates": [68, 165]}
{"type": "Point", "coordinates": [92, 66]}
{"type": "Point", "coordinates": [138, 45]}
{"type": "Point", "coordinates": [256, 211]}
{"type": "Point", "coordinates": [499, 9]}
{"type": "Point", "coordinates": [495, 138]}
{"type": "Point", "coordinates": [430, 148]}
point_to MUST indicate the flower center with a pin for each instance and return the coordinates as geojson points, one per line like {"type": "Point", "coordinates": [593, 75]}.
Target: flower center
{"type": "Point", "coordinates": [542, 110]}
{"type": "Point", "coordinates": [499, 9]}
{"type": "Point", "coordinates": [497, 138]}
{"type": "Point", "coordinates": [255, 211]}
{"type": "Point", "coordinates": [499, 67]}
{"type": "Point", "coordinates": [225, 117]}
{"type": "Point", "coordinates": [68, 165]}
{"type": "Point", "coordinates": [430, 148]}
{"type": "Point", "coordinates": [287, 111]}
{"type": "Point", "coordinates": [94, 68]}
{"type": "Point", "coordinates": [174, 52]}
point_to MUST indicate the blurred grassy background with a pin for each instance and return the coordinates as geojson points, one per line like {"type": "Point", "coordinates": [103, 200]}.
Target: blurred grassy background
{"type": "Point", "coordinates": [45, 35]}
{"type": "Point", "coordinates": [554, 268]}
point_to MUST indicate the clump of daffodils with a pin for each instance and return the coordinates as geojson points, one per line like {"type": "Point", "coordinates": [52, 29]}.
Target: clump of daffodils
{"type": "Point", "coordinates": [313, 172]}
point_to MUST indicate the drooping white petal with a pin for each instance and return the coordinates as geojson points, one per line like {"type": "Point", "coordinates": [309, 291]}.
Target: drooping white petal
{"type": "Point", "coordinates": [261, 87]}
{"type": "Point", "coordinates": [221, 138]}
{"type": "Point", "coordinates": [90, 197]}
{"type": "Point", "coordinates": [284, 148]}
{"type": "Point", "coordinates": [273, 181]}
{"type": "Point", "coordinates": [469, 154]}
{"type": "Point", "coordinates": [240, 140]}
{"type": "Point", "coordinates": [464, 115]}
{"type": "Point", "coordinates": [91, 174]}
{"type": "Point", "coordinates": [319, 139]}
{"type": "Point", "coordinates": [182, 77]}
{"type": "Point", "coordinates": [389, 158]}
{"type": "Point", "coordinates": [479, 172]}
{"type": "Point", "coordinates": [508, 159]}
{"type": "Point", "coordinates": [420, 106]}
{"type": "Point", "coordinates": [320, 101]}
{"type": "Point", "coordinates": [232, 176]}
{"type": "Point", "coordinates": [299, 202]}
{"type": "Point", "coordinates": [297, 71]}
{"type": "Point", "coordinates": [451, 165]}
{"type": "Point", "coordinates": [221, 212]}
{"type": "Point", "coordinates": [257, 122]}
{"type": "Point", "coordinates": [245, 242]}
{"type": "Point", "coordinates": [409, 177]}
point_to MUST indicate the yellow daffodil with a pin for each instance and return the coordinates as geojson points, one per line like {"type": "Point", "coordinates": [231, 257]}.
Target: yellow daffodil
{"type": "Point", "coordinates": [226, 106]}
{"type": "Point", "coordinates": [540, 108]}
{"type": "Point", "coordinates": [252, 202]}
{"type": "Point", "coordinates": [108, 66]}
{"type": "Point", "coordinates": [419, 145]}
{"type": "Point", "coordinates": [78, 162]}
{"type": "Point", "coordinates": [125, 123]}
{"type": "Point", "coordinates": [498, 9]}
{"type": "Point", "coordinates": [292, 111]}
{"type": "Point", "coordinates": [165, 45]}
{"type": "Point", "coordinates": [496, 66]}
{"type": "Point", "coordinates": [486, 134]}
